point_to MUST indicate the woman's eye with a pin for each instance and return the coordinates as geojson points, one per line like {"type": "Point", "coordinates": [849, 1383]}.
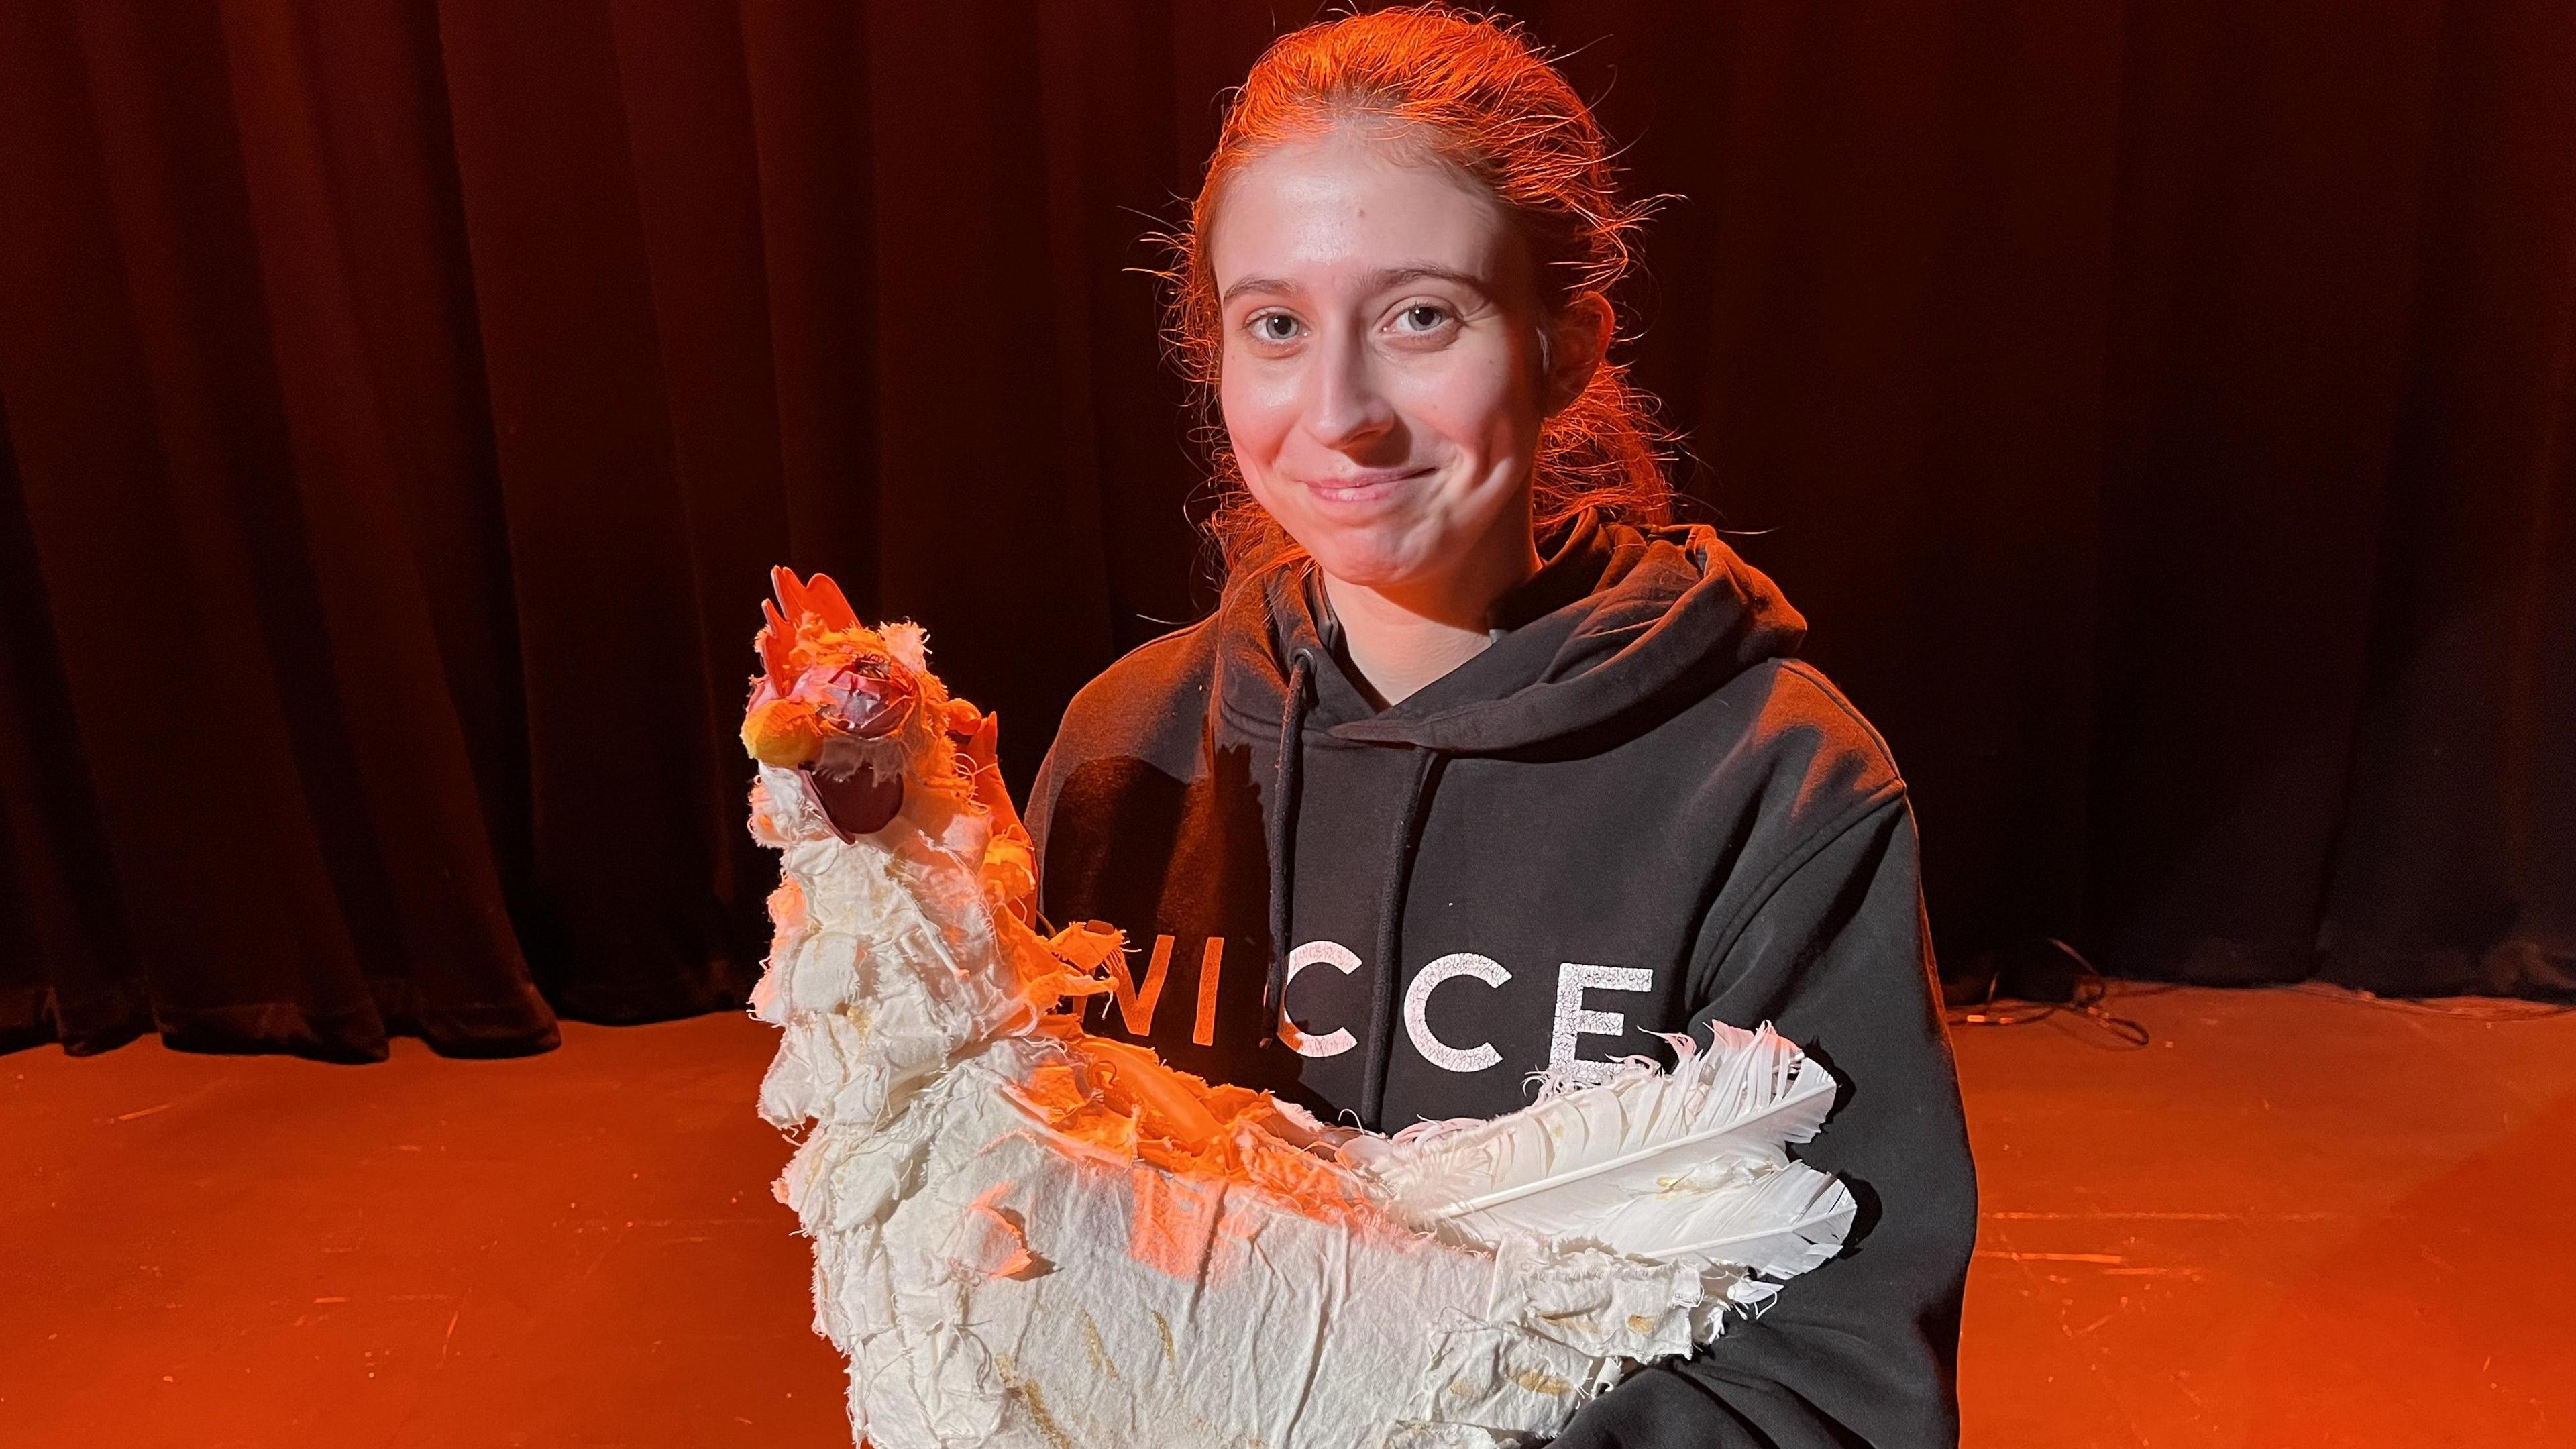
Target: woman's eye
{"type": "Point", "coordinates": [1285, 331]}
{"type": "Point", "coordinates": [1423, 317]}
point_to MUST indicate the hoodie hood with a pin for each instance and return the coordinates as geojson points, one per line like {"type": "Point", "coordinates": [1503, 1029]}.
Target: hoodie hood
{"type": "Point", "coordinates": [1615, 616]}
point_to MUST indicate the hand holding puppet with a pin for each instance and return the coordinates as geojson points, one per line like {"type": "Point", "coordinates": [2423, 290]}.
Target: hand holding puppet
{"type": "Point", "coordinates": [1025, 1234]}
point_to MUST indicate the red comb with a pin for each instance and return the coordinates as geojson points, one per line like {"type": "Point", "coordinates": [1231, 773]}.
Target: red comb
{"type": "Point", "coordinates": [824, 597]}
{"type": "Point", "coordinates": [818, 596]}
{"type": "Point", "coordinates": [775, 641]}
{"type": "Point", "coordinates": [791, 594]}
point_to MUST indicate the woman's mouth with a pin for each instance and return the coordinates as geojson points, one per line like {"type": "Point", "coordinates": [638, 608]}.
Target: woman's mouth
{"type": "Point", "coordinates": [1366, 487]}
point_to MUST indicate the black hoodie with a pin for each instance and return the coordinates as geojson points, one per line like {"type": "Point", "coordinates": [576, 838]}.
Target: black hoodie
{"type": "Point", "coordinates": [1632, 812]}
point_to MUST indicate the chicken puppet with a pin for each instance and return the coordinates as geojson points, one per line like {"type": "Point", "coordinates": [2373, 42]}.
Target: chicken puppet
{"type": "Point", "coordinates": [1028, 1235]}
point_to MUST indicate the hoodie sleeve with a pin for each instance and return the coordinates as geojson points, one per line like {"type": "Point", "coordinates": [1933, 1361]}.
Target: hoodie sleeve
{"type": "Point", "coordinates": [1834, 950]}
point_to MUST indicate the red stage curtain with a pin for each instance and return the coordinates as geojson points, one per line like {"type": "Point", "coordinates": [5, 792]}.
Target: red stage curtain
{"type": "Point", "coordinates": [2162, 412]}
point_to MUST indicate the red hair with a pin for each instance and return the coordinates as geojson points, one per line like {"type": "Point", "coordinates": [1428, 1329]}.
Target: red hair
{"type": "Point", "coordinates": [1472, 91]}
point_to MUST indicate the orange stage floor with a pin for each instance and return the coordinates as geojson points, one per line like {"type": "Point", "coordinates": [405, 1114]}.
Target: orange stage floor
{"type": "Point", "coordinates": [2292, 1221]}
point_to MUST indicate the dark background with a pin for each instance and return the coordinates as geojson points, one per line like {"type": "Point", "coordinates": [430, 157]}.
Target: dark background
{"type": "Point", "coordinates": [2161, 411]}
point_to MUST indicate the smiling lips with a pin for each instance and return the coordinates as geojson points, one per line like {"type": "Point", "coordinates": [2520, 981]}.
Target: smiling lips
{"type": "Point", "coordinates": [1361, 487]}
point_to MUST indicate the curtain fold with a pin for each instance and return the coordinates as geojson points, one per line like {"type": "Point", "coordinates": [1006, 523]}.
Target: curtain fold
{"type": "Point", "coordinates": [2163, 413]}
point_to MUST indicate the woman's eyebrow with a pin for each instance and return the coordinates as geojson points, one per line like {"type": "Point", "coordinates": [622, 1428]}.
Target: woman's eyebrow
{"type": "Point", "coordinates": [1376, 281]}
{"type": "Point", "coordinates": [1386, 277]}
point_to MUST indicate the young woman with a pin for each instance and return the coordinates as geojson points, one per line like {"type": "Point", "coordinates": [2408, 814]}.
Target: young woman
{"type": "Point", "coordinates": [1482, 768]}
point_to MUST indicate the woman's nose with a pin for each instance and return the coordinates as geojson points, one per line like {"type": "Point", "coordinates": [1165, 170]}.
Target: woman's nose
{"type": "Point", "coordinates": [1344, 406]}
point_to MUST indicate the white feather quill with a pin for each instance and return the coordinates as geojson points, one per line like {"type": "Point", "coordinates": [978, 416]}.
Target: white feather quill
{"type": "Point", "coordinates": [1688, 1165]}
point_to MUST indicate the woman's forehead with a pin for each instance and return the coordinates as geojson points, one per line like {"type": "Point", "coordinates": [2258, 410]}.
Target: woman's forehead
{"type": "Point", "coordinates": [1340, 212]}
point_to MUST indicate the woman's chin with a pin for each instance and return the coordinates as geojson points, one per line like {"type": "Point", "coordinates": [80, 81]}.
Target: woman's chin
{"type": "Point", "coordinates": [1370, 563]}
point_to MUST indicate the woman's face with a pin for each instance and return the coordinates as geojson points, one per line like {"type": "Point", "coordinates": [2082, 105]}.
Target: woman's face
{"type": "Point", "coordinates": [1381, 377]}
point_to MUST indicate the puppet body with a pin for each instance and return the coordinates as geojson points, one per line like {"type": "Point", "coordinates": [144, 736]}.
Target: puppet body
{"type": "Point", "coordinates": [1027, 1235]}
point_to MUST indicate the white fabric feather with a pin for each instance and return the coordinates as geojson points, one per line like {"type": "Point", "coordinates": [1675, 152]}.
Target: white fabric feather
{"type": "Point", "coordinates": [1681, 1166]}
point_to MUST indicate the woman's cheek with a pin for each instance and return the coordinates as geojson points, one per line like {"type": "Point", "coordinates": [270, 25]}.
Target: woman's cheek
{"type": "Point", "coordinates": [1256, 435]}
{"type": "Point", "coordinates": [1259, 411]}
{"type": "Point", "coordinates": [1466, 404]}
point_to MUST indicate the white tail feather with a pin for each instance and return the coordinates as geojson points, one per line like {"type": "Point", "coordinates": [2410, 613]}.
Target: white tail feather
{"type": "Point", "coordinates": [1685, 1165]}
{"type": "Point", "coordinates": [1781, 1224]}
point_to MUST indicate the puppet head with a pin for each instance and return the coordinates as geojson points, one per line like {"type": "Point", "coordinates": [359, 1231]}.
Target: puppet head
{"type": "Point", "coordinates": [854, 710]}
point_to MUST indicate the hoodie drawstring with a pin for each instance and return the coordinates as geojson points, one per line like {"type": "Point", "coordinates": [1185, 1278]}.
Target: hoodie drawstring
{"type": "Point", "coordinates": [1282, 827]}
{"type": "Point", "coordinates": [1390, 939]}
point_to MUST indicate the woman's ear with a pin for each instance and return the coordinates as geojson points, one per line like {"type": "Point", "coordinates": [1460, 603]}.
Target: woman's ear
{"type": "Point", "coordinates": [1571, 348]}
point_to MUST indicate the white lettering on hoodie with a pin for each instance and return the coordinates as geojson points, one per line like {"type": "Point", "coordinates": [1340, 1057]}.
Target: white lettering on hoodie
{"type": "Point", "coordinates": [1332, 1043]}
{"type": "Point", "coordinates": [1418, 996]}
{"type": "Point", "coordinates": [1573, 1018]}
